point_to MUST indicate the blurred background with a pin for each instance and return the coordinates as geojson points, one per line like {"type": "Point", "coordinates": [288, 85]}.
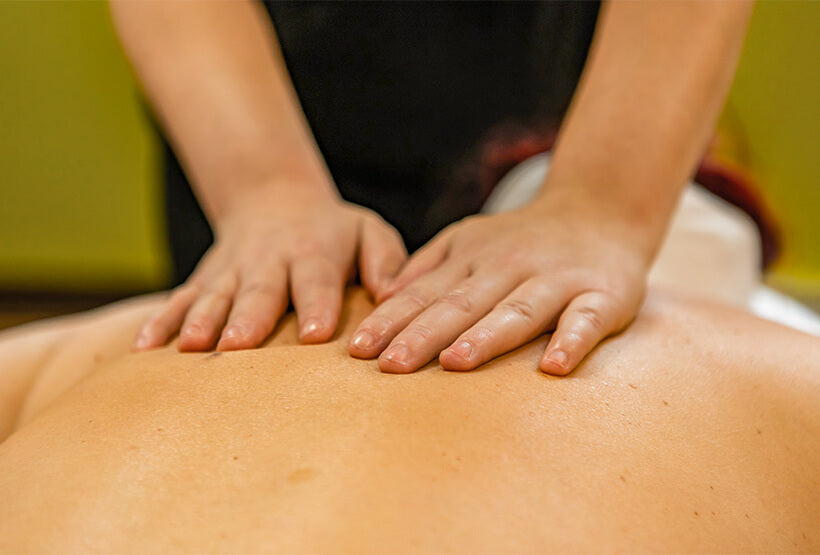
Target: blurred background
{"type": "Point", "coordinates": [81, 219]}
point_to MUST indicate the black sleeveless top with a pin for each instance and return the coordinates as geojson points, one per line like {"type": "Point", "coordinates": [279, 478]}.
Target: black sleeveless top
{"type": "Point", "coordinates": [401, 96]}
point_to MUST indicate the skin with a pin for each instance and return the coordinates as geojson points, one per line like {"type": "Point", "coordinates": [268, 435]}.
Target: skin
{"type": "Point", "coordinates": [695, 430]}
{"type": "Point", "coordinates": [575, 259]}
{"type": "Point", "coordinates": [282, 231]}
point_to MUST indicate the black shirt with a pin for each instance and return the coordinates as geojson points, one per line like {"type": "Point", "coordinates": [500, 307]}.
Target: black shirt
{"type": "Point", "coordinates": [401, 96]}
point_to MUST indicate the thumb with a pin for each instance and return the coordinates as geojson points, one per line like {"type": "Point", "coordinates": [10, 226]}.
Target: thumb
{"type": "Point", "coordinates": [381, 254]}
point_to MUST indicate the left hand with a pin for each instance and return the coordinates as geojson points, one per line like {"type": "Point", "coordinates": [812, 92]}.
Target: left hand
{"type": "Point", "coordinates": [489, 284]}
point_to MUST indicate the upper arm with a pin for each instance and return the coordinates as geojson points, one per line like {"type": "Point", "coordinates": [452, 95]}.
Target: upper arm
{"type": "Point", "coordinates": [23, 351]}
{"type": "Point", "coordinates": [40, 361]}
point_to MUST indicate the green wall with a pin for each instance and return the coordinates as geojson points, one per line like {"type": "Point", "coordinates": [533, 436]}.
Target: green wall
{"type": "Point", "coordinates": [79, 201]}
{"type": "Point", "coordinates": [80, 206]}
{"type": "Point", "coordinates": [776, 100]}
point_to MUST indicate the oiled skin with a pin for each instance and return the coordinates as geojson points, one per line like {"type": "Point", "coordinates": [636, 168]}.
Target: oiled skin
{"type": "Point", "coordinates": [697, 429]}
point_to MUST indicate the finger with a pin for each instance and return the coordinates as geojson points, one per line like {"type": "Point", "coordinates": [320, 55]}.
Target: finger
{"type": "Point", "coordinates": [259, 304]}
{"type": "Point", "coordinates": [522, 316]}
{"type": "Point", "coordinates": [423, 261]}
{"type": "Point", "coordinates": [436, 328]}
{"type": "Point", "coordinates": [158, 329]}
{"type": "Point", "coordinates": [381, 254]}
{"type": "Point", "coordinates": [387, 320]}
{"type": "Point", "coordinates": [317, 286]}
{"type": "Point", "coordinates": [587, 320]}
{"type": "Point", "coordinates": [205, 319]}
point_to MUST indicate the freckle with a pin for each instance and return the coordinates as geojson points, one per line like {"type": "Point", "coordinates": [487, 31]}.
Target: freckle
{"type": "Point", "coordinates": [804, 535]}
{"type": "Point", "coordinates": [532, 413]}
{"type": "Point", "coordinates": [160, 429]}
{"type": "Point", "coordinates": [302, 475]}
{"type": "Point", "coordinates": [711, 487]}
{"type": "Point", "coordinates": [759, 432]}
{"type": "Point", "coordinates": [235, 458]}
{"type": "Point", "coordinates": [458, 459]}
{"type": "Point", "coordinates": [98, 357]}
{"type": "Point", "coordinates": [665, 402]}
{"type": "Point", "coordinates": [696, 513]}
{"type": "Point", "coordinates": [91, 421]}
{"type": "Point", "coordinates": [747, 515]}
{"type": "Point", "coordinates": [713, 513]}
{"type": "Point", "coordinates": [633, 386]}
{"type": "Point", "coordinates": [623, 479]}
{"type": "Point", "coordinates": [132, 447]}
{"type": "Point", "coordinates": [82, 442]}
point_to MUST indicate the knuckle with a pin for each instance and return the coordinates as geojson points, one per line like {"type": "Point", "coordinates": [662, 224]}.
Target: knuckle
{"type": "Point", "coordinates": [182, 292]}
{"type": "Point", "coordinates": [200, 322]}
{"type": "Point", "coordinates": [308, 248]}
{"type": "Point", "coordinates": [415, 298]}
{"type": "Point", "coordinates": [260, 287]}
{"type": "Point", "coordinates": [592, 318]}
{"type": "Point", "coordinates": [482, 335]}
{"type": "Point", "coordinates": [220, 295]}
{"type": "Point", "coordinates": [521, 309]}
{"type": "Point", "coordinates": [458, 299]}
{"type": "Point", "coordinates": [419, 331]}
{"type": "Point", "coordinates": [378, 324]}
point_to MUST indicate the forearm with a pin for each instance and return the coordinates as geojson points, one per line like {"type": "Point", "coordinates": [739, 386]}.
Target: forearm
{"type": "Point", "coordinates": [653, 87]}
{"type": "Point", "coordinates": [217, 81]}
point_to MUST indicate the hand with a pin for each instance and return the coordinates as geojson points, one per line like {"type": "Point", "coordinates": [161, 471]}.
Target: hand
{"type": "Point", "coordinates": [283, 246]}
{"type": "Point", "coordinates": [489, 284]}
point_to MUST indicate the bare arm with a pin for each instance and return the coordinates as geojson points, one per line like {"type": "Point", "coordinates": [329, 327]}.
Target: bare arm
{"type": "Point", "coordinates": [216, 78]}
{"type": "Point", "coordinates": [214, 74]}
{"type": "Point", "coordinates": [653, 87]}
{"type": "Point", "coordinates": [576, 259]}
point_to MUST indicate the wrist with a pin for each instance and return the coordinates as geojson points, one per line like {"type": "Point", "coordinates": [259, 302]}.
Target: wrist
{"type": "Point", "coordinates": [612, 217]}
{"type": "Point", "coordinates": [264, 197]}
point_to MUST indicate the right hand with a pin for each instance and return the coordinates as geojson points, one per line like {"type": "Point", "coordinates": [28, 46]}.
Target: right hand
{"type": "Point", "coordinates": [267, 251]}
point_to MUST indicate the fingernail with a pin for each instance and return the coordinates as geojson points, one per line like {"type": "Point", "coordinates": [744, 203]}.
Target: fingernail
{"type": "Point", "coordinates": [141, 342]}
{"type": "Point", "coordinates": [309, 327]}
{"type": "Point", "coordinates": [231, 333]}
{"type": "Point", "coordinates": [363, 340]}
{"type": "Point", "coordinates": [193, 329]}
{"type": "Point", "coordinates": [558, 358]}
{"type": "Point", "coordinates": [397, 354]}
{"type": "Point", "coordinates": [463, 349]}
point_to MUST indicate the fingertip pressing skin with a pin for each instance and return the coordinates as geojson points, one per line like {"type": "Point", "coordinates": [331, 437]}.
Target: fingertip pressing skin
{"type": "Point", "coordinates": [194, 338]}
{"type": "Point", "coordinates": [314, 331]}
{"type": "Point", "coordinates": [555, 362]}
{"type": "Point", "coordinates": [143, 342]}
{"type": "Point", "coordinates": [589, 318]}
{"type": "Point", "coordinates": [362, 344]}
{"type": "Point", "coordinates": [158, 330]}
{"type": "Point", "coordinates": [459, 357]}
{"type": "Point", "coordinates": [240, 336]}
{"type": "Point", "coordinates": [154, 334]}
{"type": "Point", "coordinates": [396, 360]}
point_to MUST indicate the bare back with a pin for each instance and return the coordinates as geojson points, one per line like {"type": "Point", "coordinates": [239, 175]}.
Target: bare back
{"type": "Point", "coordinates": [696, 429]}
